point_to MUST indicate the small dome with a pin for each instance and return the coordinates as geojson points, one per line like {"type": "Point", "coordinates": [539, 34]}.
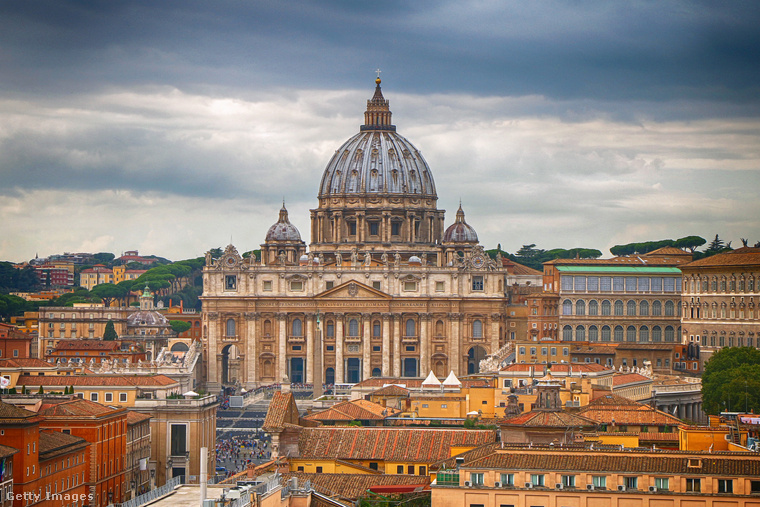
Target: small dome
{"type": "Point", "coordinates": [415, 260]}
{"type": "Point", "coordinates": [146, 318]}
{"type": "Point", "coordinates": [283, 230]}
{"type": "Point", "coordinates": [460, 231]}
{"type": "Point", "coordinates": [304, 258]}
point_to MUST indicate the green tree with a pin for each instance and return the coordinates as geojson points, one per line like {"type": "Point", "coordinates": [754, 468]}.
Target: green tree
{"type": "Point", "coordinates": [108, 292]}
{"type": "Point", "coordinates": [731, 381]}
{"type": "Point", "coordinates": [105, 258]}
{"type": "Point", "coordinates": [110, 332]}
{"type": "Point", "coordinates": [179, 326]}
{"type": "Point", "coordinates": [690, 243]}
{"type": "Point", "coordinates": [41, 391]}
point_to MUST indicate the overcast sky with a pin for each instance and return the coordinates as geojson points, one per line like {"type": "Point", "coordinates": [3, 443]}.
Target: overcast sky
{"type": "Point", "coordinates": [173, 127]}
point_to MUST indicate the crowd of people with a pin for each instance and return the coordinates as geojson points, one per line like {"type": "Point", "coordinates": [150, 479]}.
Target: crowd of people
{"type": "Point", "coordinates": [235, 453]}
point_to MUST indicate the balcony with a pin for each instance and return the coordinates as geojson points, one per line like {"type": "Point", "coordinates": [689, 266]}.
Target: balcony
{"type": "Point", "coordinates": [352, 339]}
{"type": "Point", "coordinates": [410, 339]}
{"type": "Point", "coordinates": [232, 338]}
{"type": "Point", "coordinates": [296, 339]}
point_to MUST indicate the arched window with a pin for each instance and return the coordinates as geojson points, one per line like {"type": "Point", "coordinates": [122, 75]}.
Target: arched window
{"type": "Point", "coordinates": [606, 333]}
{"type": "Point", "coordinates": [631, 307]}
{"type": "Point", "coordinates": [376, 372]}
{"type": "Point", "coordinates": [656, 334]}
{"type": "Point", "coordinates": [606, 307]}
{"type": "Point", "coordinates": [669, 334]}
{"type": "Point", "coordinates": [477, 329]}
{"type": "Point", "coordinates": [593, 334]}
{"type": "Point", "coordinates": [618, 333]}
{"type": "Point", "coordinates": [618, 307]}
{"type": "Point", "coordinates": [377, 330]}
{"type": "Point", "coordinates": [630, 335]}
{"type": "Point", "coordinates": [644, 308]}
{"type": "Point", "coordinates": [439, 328]}
{"type": "Point", "coordinates": [580, 334]}
{"type": "Point", "coordinates": [567, 334]}
{"type": "Point", "coordinates": [567, 307]}
{"type": "Point", "coordinates": [330, 329]}
{"type": "Point", "coordinates": [643, 334]}
{"type": "Point", "coordinates": [410, 327]}
{"type": "Point", "coordinates": [593, 307]}
{"type": "Point", "coordinates": [353, 327]}
{"type": "Point", "coordinates": [669, 309]}
{"type": "Point", "coordinates": [297, 327]}
{"type": "Point", "coordinates": [267, 328]}
{"type": "Point", "coordinates": [580, 307]}
{"type": "Point", "coordinates": [230, 331]}
{"type": "Point", "coordinates": [657, 307]}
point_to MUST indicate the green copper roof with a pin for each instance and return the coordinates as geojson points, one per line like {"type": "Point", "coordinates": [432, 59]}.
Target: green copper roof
{"type": "Point", "coordinates": [618, 269]}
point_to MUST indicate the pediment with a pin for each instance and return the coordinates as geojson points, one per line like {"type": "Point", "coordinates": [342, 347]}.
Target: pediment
{"type": "Point", "coordinates": [353, 289]}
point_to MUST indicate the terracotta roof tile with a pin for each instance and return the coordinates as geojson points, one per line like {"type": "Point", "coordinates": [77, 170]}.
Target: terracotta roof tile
{"type": "Point", "coordinates": [54, 443]}
{"type": "Point", "coordinates": [282, 409]}
{"type": "Point", "coordinates": [76, 407]}
{"type": "Point", "coordinates": [388, 444]}
{"type": "Point", "coordinates": [6, 451]}
{"type": "Point", "coordinates": [354, 410]}
{"type": "Point", "coordinates": [745, 256]}
{"type": "Point", "coordinates": [628, 378]}
{"type": "Point", "coordinates": [623, 411]}
{"type": "Point", "coordinates": [556, 368]}
{"type": "Point", "coordinates": [391, 390]}
{"type": "Point", "coordinates": [86, 345]}
{"type": "Point", "coordinates": [548, 419]}
{"type": "Point", "coordinates": [10, 414]}
{"type": "Point", "coordinates": [352, 486]}
{"type": "Point", "coordinates": [97, 380]}
{"type": "Point", "coordinates": [136, 417]}
{"type": "Point", "coordinates": [28, 362]}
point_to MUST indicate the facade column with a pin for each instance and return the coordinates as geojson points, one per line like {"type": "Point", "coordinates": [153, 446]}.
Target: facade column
{"type": "Point", "coordinates": [396, 345]}
{"type": "Point", "coordinates": [339, 348]}
{"type": "Point", "coordinates": [424, 345]}
{"type": "Point", "coordinates": [309, 348]}
{"type": "Point", "coordinates": [366, 346]}
{"type": "Point", "coordinates": [494, 332]}
{"type": "Point", "coordinates": [213, 350]}
{"type": "Point", "coordinates": [251, 355]}
{"type": "Point", "coordinates": [386, 345]}
{"type": "Point", "coordinates": [455, 359]}
{"type": "Point", "coordinates": [282, 343]}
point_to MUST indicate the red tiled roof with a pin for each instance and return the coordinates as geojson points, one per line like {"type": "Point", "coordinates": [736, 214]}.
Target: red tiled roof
{"type": "Point", "coordinates": [626, 461]}
{"type": "Point", "coordinates": [352, 486]}
{"type": "Point", "coordinates": [282, 409]}
{"type": "Point", "coordinates": [388, 444]}
{"type": "Point", "coordinates": [55, 443]}
{"type": "Point", "coordinates": [26, 362]}
{"type": "Point", "coordinates": [354, 410]}
{"type": "Point", "coordinates": [76, 407]}
{"type": "Point", "coordinates": [6, 452]}
{"type": "Point", "coordinates": [97, 380]}
{"type": "Point", "coordinates": [391, 390]}
{"type": "Point", "coordinates": [745, 256]}
{"type": "Point", "coordinates": [557, 368]}
{"type": "Point", "coordinates": [86, 345]}
{"type": "Point", "coordinates": [136, 417]}
{"type": "Point", "coordinates": [628, 378]}
{"type": "Point", "coordinates": [10, 414]}
{"type": "Point", "coordinates": [625, 412]}
{"type": "Point", "coordinates": [468, 456]}
{"type": "Point", "coordinates": [515, 268]}
{"type": "Point", "coordinates": [548, 419]}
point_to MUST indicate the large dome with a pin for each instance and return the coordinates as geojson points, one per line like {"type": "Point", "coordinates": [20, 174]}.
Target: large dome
{"type": "Point", "coordinates": [377, 160]}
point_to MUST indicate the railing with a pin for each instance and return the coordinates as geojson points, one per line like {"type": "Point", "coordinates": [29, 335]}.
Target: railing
{"type": "Point", "coordinates": [154, 494]}
{"type": "Point", "coordinates": [447, 479]}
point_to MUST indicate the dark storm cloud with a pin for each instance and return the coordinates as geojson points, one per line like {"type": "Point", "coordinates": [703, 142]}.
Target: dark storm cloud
{"type": "Point", "coordinates": [646, 51]}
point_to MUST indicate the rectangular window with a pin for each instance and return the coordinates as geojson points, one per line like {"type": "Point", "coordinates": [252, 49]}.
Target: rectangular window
{"type": "Point", "coordinates": [754, 487]}
{"type": "Point", "coordinates": [662, 483]}
{"type": "Point", "coordinates": [599, 481]}
{"type": "Point", "coordinates": [395, 228]}
{"type": "Point", "coordinates": [630, 284]}
{"type": "Point", "coordinates": [319, 470]}
{"type": "Point", "coordinates": [580, 283]}
{"type": "Point", "coordinates": [477, 283]}
{"type": "Point", "coordinates": [568, 481]}
{"type": "Point", "coordinates": [178, 439]}
{"type": "Point", "coordinates": [329, 285]}
{"type": "Point", "coordinates": [606, 284]}
{"type": "Point", "coordinates": [670, 284]}
{"type": "Point", "coordinates": [592, 284]}
{"type": "Point", "coordinates": [109, 397]}
{"type": "Point", "coordinates": [410, 469]}
{"type": "Point", "coordinates": [566, 283]}
{"type": "Point", "coordinates": [439, 287]}
{"type": "Point", "coordinates": [93, 396]}
{"type": "Point", "coordinates": [725, 485]}
{"type": "Point", "coordinates": [537, 479]}
{"type": "Point", "coordinates": [565, 351]}
{"type": "Point", "coordinates": [617, 284]}
{"type": "Point", "coordinates": [374, 228]}
{"type": "Point", "coordinates": [507, 479]}
{"type": "Point", "coordinates": [410, 286]}
{"type": "Point", "coordinates": [400, 469]}
{"type": "Point", "coordinates": [476, 479]}
{"type": "Point", "coordinates": [352, 228]}
{"type": "Point", "coordinates": [296, 285]}
{"type": "Point", "coordinates": [631, 482]}
{"type": "Point", "coordinates": [267, 285]}
{"type": "Point", "coordinates": [230, 282]}
{"type": "Point", "coordinates": [122, 397]}
{"type": "Point", "coordinates": [656, 284]}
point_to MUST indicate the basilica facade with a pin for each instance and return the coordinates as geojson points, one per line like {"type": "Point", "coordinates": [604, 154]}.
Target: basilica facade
{"type": "Point", "coordinates": [383, 289]}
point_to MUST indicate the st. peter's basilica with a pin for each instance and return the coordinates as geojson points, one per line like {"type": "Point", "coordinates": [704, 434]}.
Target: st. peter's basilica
{"type": "Point", "coordinates": [384, 288]}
